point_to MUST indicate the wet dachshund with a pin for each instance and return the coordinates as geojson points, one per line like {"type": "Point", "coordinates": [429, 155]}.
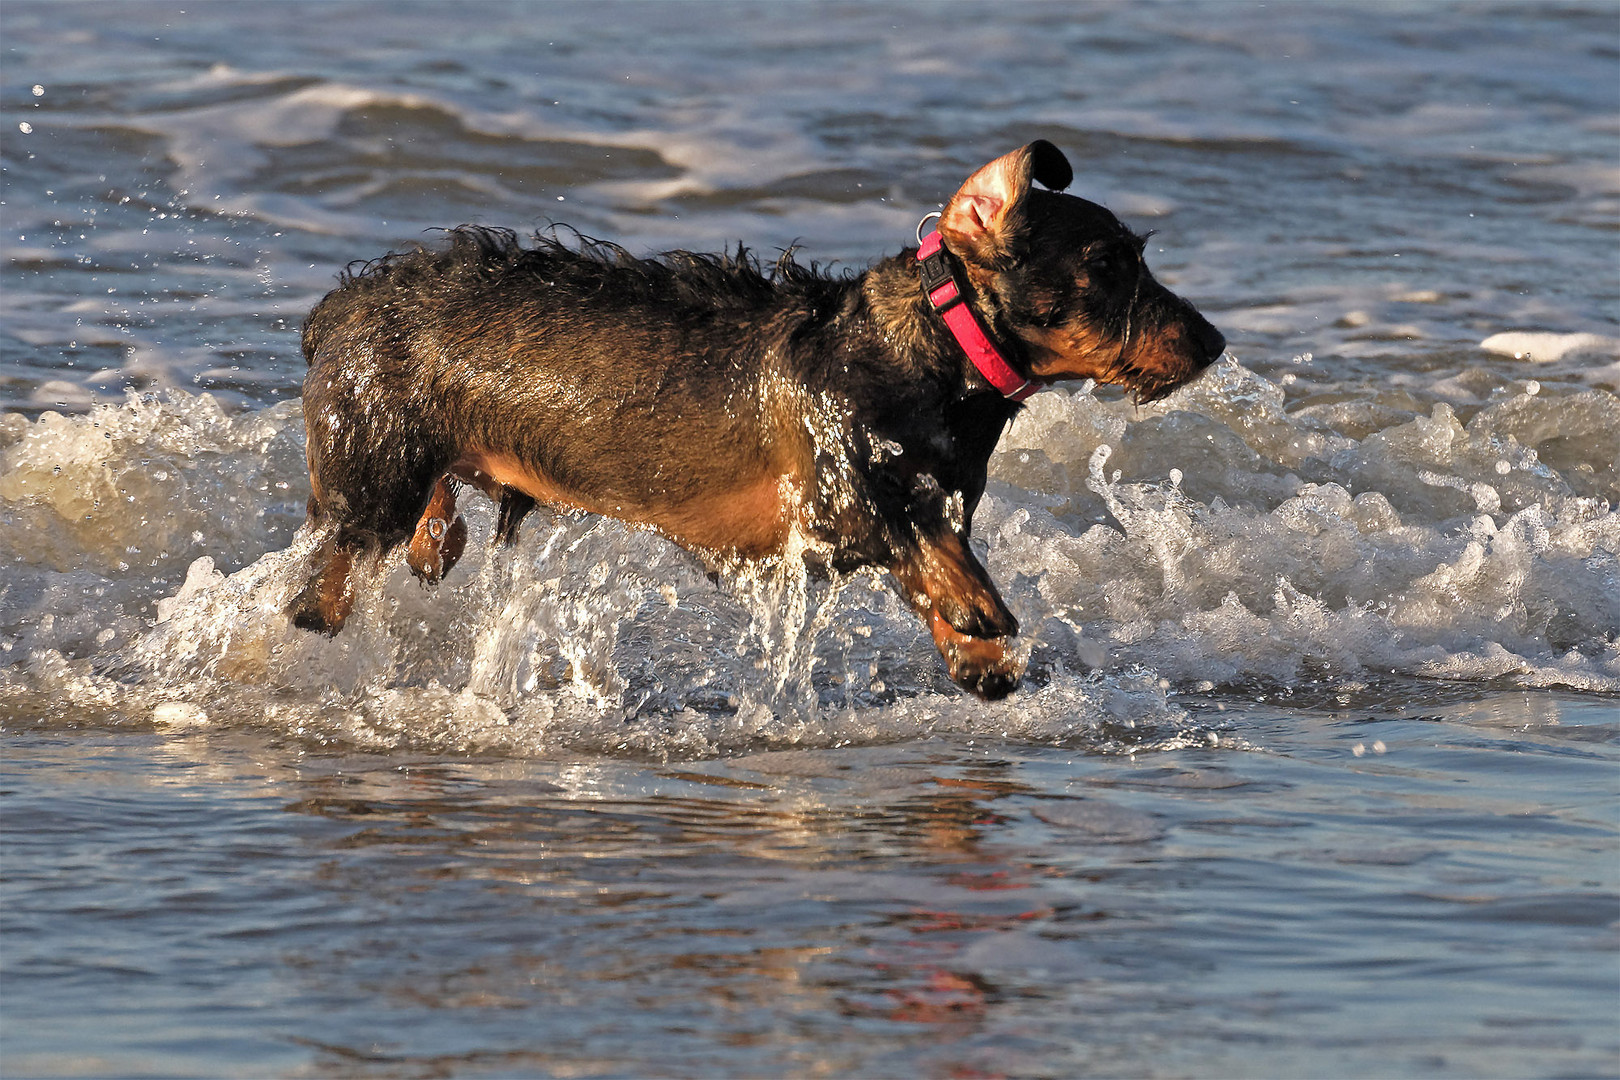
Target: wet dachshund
{"type": "Point", "coordinates": [742, 413]}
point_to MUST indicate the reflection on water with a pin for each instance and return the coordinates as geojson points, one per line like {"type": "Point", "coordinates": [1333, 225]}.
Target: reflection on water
{"type": "Point", "coordinates": [933, 908]}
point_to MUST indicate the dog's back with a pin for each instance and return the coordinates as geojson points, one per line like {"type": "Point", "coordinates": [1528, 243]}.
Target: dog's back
{"type": "Point", "coordinates": [647, 389]}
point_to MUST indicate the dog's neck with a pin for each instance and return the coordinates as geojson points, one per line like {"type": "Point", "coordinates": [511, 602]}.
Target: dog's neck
{"type": "Point", "coordinates": [945, 287]}
{"type": "Point", "coordinates": [919, 336]}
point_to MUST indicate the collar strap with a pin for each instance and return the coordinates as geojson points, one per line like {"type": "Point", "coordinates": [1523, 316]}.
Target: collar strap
{"type": "Point", "coordinates": [945, 296]}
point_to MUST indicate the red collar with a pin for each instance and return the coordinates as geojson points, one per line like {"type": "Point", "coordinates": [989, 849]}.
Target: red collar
{"type": "Point", "coordinates": [939, 282]}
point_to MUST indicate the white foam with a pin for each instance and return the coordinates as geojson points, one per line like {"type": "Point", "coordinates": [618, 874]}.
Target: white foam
{"type": "Point", "coordinates": [180, 714]}
{"type": "Point", "coordinates": [1544, 347]}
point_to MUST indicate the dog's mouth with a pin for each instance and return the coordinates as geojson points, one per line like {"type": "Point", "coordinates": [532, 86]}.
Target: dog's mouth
{"type": "Point", "coordinates": [1147, 383]}
{"type": "Point", "coordinates": [1146, 387]}
{"type": "Point", "coordinates": [1145, 391]}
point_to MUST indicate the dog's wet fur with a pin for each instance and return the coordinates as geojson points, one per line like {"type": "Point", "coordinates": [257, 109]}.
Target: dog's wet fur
{"type": "Point", "coordinates": [742, 412]}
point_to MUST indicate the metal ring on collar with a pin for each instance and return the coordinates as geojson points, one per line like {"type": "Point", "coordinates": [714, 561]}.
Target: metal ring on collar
{"type": "Point", "coordinates": [930, 216]}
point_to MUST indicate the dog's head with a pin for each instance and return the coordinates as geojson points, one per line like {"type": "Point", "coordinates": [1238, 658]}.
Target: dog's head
{"type": "Point", "coordinates": [1069, 280]}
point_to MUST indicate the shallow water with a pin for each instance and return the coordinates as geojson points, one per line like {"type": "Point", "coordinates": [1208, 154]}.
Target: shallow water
{"type": "Point", "coordinates": [1325, 894]}
{"type": "Point", "coordinates": [1314, 767]}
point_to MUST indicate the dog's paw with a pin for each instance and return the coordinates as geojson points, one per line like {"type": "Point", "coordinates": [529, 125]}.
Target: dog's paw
{"type": "Point", "coordinates": [324, 603]}
{"type": "Point", "coordinates": [980, 665]}
{"type": "Point", "coordinates": [988, 683]}
{"type": "Point", "coordinates": [314, 620]}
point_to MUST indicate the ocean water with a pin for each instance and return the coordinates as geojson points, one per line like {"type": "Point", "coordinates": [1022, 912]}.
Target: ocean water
{"type": "Point", "coordinates": [1315, 769]}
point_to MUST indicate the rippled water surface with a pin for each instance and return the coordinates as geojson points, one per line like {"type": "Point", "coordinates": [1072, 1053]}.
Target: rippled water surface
{"type": "Point", "coordinates": [1314, 767]}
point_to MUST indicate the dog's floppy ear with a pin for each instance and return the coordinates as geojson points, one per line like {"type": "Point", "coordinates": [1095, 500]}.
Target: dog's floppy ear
{"type": "Point", "coordinates": [983, 221]}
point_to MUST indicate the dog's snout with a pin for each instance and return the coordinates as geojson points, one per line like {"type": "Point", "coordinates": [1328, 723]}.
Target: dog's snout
{"type": "Point", "coordinates": [1207, 342]}
{"type": "Point", "coordinates": [1212, 342]}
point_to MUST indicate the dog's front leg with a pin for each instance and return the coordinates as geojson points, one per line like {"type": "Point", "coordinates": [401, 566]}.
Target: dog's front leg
{"type": "Point", "coordinates": [953, 594]}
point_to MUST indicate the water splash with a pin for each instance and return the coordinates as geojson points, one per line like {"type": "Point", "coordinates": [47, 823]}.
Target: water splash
{"type": "Point", "coordinates": [1215, 539]}
{"type": "Point", "coordinates": [1464, 555]}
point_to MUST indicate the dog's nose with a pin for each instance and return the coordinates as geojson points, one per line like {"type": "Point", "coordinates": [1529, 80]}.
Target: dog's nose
{"type": "Point", "coordinates": [1211, 343]}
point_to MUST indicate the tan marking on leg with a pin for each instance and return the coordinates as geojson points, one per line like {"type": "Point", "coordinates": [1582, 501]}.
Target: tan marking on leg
{"type": "Point", "coordinates": [942, 576]}
{"type": "Point", "coordinates": [970, 624]}
{"type": "Point", "coordinates": [326, 602]}
{"type": "Point", "coordinates": [436, 544]}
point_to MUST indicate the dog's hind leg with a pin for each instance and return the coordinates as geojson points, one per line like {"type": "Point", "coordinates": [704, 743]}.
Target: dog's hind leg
{"type": "Point", "coordinates": [374, 484]}
{"type": "Point", "coordinates": [325, 602]}
{"type": "Point", "coordinates": [440, 536]}
{"type": "Point", "coordinates": [514, 505]}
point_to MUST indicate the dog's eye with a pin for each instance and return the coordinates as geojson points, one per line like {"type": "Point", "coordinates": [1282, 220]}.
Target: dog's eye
{"type": "Point", "coordinates": [1111, 266]}
{"type": "Point", "coordinates": [1104, 265]}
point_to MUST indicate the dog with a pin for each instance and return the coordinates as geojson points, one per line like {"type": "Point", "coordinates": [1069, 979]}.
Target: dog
{"type": "Point", "coordinates": [740, 412]}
